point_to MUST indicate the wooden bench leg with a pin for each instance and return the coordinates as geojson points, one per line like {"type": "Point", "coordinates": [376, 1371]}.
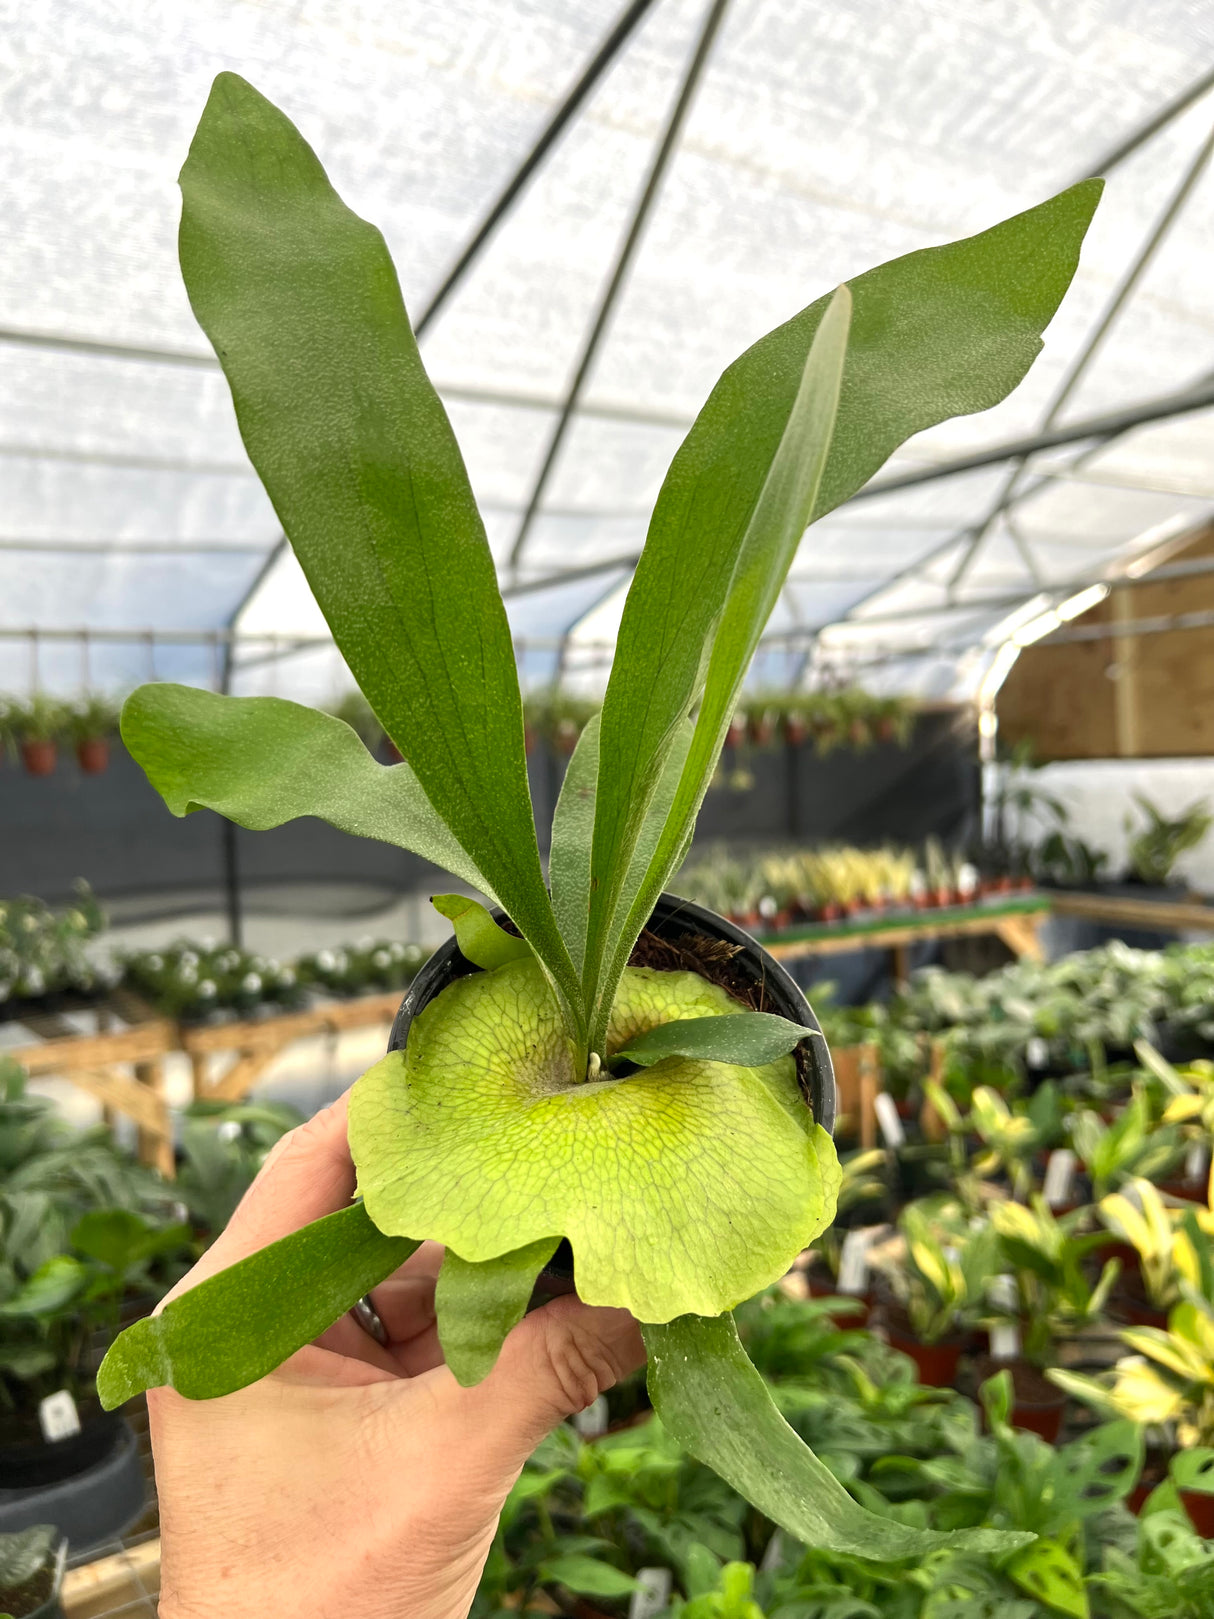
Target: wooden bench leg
{"type": "Point", "coordinates": [156, 1145]}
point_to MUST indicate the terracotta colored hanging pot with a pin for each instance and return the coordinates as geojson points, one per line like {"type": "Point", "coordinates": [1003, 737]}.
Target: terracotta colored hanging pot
{"type": "Point", "coordinates": [93, 754]}
{"type": "Point", "coordinates": [38, 755]}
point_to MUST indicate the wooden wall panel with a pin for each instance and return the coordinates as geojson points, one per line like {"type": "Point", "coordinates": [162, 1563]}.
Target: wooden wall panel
{"type": "Point", "coordinates": [1145, 696]}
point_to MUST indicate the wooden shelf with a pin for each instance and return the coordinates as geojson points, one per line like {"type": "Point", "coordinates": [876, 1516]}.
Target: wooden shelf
{"type": "Point", "coordinates": [124, 1068]}
{"type": "Point", "coordinates": [1016, 921]}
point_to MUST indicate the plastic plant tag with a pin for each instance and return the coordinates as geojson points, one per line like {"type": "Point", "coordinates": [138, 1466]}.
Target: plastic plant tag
{"type": "Point", "coordinates": [773, 1554]}
{"type": "Point", "coordinates": [1004, 1335]}
{"type": "Point", "coordinates": [1005, 1341]}
{"type": "Point", "coordinates": [1059, 1177]}
{"type": "Point", "coordinates": [652, 1594]}
{"type": "Point", "coordinates": [1036, 1051]}
{"type": "Point", "coordinates": [887, 1118]}
{"type": "Point", "coordinates": [1196, 1162]}
{"type": "Point", "coordinates": [853, 1262]}
{"type": "Point", "coordinates": [58, 1417]}
{"type": "Point", "coordinates": [592, 1422]}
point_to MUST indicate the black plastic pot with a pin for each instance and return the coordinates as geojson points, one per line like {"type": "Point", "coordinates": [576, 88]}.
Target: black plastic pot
{"type": "Point", "coordinates": [672, 918]}
{"type": "Point", "coordinates": [104, 1495]}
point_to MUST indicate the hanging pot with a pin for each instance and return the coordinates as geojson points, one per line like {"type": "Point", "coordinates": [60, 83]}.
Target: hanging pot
{"type": "Point", "coordinates": [796, 731]}
{"type": "Point", "coordinates": [93, 754]}
{"type": "Point", "coordinates": [38, 755]}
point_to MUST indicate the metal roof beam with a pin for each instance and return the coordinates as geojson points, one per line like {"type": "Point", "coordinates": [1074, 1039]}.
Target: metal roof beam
{"type": "Point", "coordinates": [1094, 342]}
{"type": "Point", "coordinates": [619, 272]}
{"type": "Point", "coordinates": [613, 43]}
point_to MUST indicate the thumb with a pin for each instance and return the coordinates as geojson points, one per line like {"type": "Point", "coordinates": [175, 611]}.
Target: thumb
{"type": "Point", "coordinates": [557, 1361]}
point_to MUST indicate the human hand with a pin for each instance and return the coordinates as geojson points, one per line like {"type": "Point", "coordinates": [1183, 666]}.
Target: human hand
{"type": "Point", "coordinates": [358, 1479]}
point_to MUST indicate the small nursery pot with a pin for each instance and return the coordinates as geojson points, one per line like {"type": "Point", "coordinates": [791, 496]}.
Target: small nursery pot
{"type": "Point", "coordinates": [1036, 1404]}
{"type": "Point", "coordinates": [38, 756]}
{"type": "Point", "coordinates": [93, 755]}
{"type": "Point", "coordinates": [1200, 1508]}
{"type": "Point", "coordinates": [671, 920]}
{"type": "Point", "coordinates": [936, 1363]}
{"type": "Point", "coordinates": [822, 1285]}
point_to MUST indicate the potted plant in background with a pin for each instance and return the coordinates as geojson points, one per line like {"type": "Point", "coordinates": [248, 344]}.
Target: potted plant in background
{"type": "Point", "coordinates": [1157, 846]}
{"type": "Point", "coordinates": [31, 1572]}
{"type": "Point", "coordinates": [1049, 1295]}
{"type": "Point", "coordinates": [84, 1234]}
{"type": "Point", "coordinates": [1163, 1243]}
{"type": "Point", "coordinates": [91, 724]}
{"type": "Point", "coordinates": [939, 1281]}
{"type": "Point", "coordinates": [621, 1004]}
{"type": "Point", "coordinates": [1131, 1145]}
{"type": "Point", "coordinates": [1166, 1385]}
{"type": "Point", "coordinates": [35, 729]}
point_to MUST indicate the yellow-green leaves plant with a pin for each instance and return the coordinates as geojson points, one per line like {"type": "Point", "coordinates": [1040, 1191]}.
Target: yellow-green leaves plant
{"type": "Point", "coordinates": [1165, 1239]}
{"type": "Point", "coordinates": [942, 1281]}
{"type": "Point", "coordinates": [1168, 1377]}
{"type": "Point", "coordinates": [1046, 1255]}
{"type": "Point", "coordinates": [643, 1116]}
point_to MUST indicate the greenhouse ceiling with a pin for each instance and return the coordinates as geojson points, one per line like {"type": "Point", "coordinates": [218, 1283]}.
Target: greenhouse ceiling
{"type": "Point", "coordinates": [817, 140]}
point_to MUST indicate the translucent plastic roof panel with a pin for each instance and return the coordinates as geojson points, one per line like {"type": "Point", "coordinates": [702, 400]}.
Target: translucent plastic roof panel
{"type": "Point", "coordinates": [822, 140]}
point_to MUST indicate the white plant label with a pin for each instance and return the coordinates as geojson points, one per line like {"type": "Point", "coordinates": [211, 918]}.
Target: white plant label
{"type": "Point", "coordinates": [1004, 1335]}
{"type": "Point", "coordinates": [652, 1594]}
{"type": "Point", "coordinates": [774, 1554]}
{"type": "Point", "coordinates": [1196, 1162]}
{"type": "Point", "coordinates": [853, 1263]}
{"type": "Point", "coordinates": [58, 1417]}
{"type": "Point", "coordinates": [1036, 1051]}
{"type": "Point", "coordinates": [591, 1422]}
{"type": "Point", "coordinates": [1059, 1177]}
{"type": "Point", "coordinates": [887, 1118]}
{"type": "Point", "coordinates": [1005, 1341]}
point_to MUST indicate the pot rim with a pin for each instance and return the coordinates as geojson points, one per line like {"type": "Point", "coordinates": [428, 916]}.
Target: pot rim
{"type": "Point", "coordinates": [672, 915]}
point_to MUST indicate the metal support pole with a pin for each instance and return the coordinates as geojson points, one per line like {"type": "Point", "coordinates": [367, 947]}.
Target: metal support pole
{"type": "Point", "coordinates": [229, 852]}
{"type": "Point", "coordinates": [591, 74]}
{"type": "Point", "coordinates": [666, 146]}
{"type": "Point", "coordinates": [1108, 426]}
{"type": "Point", "coordinates": [1151, 126]}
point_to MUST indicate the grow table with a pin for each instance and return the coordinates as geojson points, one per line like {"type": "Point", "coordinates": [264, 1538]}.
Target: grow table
{"type": "Point", "coordinates": [98, 1064]}
{"type": "Point", "coordinates": [124, 1066]}
{"type": "Point", "coordinates": [1016, 920]}
{"type": "Point", "coordinates": [257, 1043]}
